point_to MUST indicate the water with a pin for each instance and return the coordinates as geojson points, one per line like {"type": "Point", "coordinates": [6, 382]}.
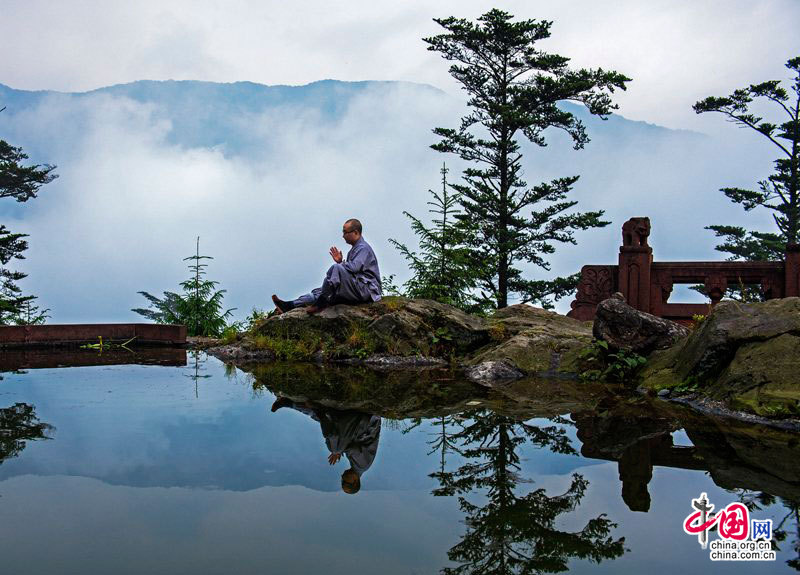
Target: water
{"type": "Point", "coordinates": [182, 467]}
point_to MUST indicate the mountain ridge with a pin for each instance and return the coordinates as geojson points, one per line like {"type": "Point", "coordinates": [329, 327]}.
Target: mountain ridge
{"type": "Point", "coordinates": [278, 94]}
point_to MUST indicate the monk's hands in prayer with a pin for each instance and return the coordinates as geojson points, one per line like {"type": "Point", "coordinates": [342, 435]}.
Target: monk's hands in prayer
{"type": "Point", "coordinates": [334, 458]}
{"type": "Point", "coordinates": [336, 254]}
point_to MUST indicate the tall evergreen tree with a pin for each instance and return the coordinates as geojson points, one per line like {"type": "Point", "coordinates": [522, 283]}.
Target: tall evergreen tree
{"type": "Point", "coordinates": [514, 88]}
{"type": "Point", "coordinates": [780, 192]}
{"type": "Point", "coordinates": [441, 267]}
{"type": "Point", "coordinates": [22, 183]}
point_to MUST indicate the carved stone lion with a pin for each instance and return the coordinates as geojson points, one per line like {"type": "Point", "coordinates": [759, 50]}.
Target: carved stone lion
{"type": "Point", "coordinates": [635, 232]}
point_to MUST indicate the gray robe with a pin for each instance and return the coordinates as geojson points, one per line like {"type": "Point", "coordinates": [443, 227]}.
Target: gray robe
{"type": "Point", "coordinates": [355, 280]}
{"type": "Point", "coordinates": [352, 433]}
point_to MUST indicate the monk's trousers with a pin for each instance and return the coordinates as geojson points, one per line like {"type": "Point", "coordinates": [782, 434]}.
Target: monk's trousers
{"type": "Point", "coordinates": [340, 286]}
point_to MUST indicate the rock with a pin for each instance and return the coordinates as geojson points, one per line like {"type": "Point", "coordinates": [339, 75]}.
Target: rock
{"type": "Point", "coordinates": [489, 372]}
{"type": "Point", "coordinates": [745, 355]}
{"type": "Point", "coordinates": [237, 353]}
{"type": "Point", "coordinates": [732, 324]}
{"type": "Point", "coordinates": [762, 377]}
{"type": "Point", "coordinates": [203, 343]}
{"type": "Point", "coordinates": [423, 326]}
{"type": "Point", "coordinates": [664, 392]}
{"type": "Point", "coordinates": [401, 333]}
{"type": "Point", "coordinates": [624, 327]}
{"type": "Point", "coordinates": [395, 326]}
{"type": "Point", "coordinates": [534, 340]}
{"type": "Point", "coordinates": [412, 361]}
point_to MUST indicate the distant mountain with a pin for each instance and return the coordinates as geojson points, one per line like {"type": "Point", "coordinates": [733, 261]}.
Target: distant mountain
{"type": "Point", "coordinates": [203, 114]}
{"type": "Point", "coordinates": [264, 173]}
{"type": "Point", "coordinates": [206, 114]}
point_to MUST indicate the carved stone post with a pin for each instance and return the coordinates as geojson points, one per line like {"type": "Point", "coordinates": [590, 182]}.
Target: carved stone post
{"type": "Point", "coordinates": [597, 283]}
{"type": "Point", "coordinates": [716, 285]}
{"type": "Point", "coordinates": [792, 270]}
{"type": "Point", "coordinates": [635, 260]}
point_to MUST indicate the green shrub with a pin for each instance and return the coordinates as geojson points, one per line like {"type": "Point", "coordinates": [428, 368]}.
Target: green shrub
{"type": "Point", "coordinates": [604, 365]}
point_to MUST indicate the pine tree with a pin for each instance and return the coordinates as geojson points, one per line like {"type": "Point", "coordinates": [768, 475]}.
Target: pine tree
{"type": "Point", "coordinates": [514, 88]}
{"type": "Point", "coordinates": [22, 183]}
{"type": "Point", "coordinates": [18, 181]}
{"type": "Point", "coordinates": [509, 531]}
{"type": "Point", "coordinates": [441, 267]}
{"type": "Point", "coordinates": [199, 308]}
{"type": "Point", "coordinates": [780, 192]}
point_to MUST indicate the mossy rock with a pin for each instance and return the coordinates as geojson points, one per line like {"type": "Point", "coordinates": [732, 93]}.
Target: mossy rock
{"type": "Point", "coordinates": [762, 378]}
{"type": "Point", "coordinates": [536, 340]}
{"type": "Point", "coordinates": [533, 339]}
{"type": "Point", "coordinates": [395, 325]}
{"type": "Point", "coordinates": [745, 355]}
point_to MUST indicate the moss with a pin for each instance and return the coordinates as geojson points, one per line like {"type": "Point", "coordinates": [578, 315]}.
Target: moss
{"type": "Point", "coordinates": [498, 331]}
{"type": "Point", "coordinates": [753, 403]}
{"type": "Point", "coordinates": [392, 303]}
{"type": "Point", "coordinates": [287, 348]}
{"type": "Point", "coordinates": [358, 343]}
{"type": "Point", "coordinates": [570, 361]}
{"type": "Point", "coordinates": [659, 372]}
{"type": "Point", "coordinates": [762, 378]}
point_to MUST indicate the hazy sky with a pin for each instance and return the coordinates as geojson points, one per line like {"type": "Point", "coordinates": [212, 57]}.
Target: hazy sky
{"type": "Point", "coordinates": [132, 197]}
{"type": "Point", "coordinates": [677, 51]}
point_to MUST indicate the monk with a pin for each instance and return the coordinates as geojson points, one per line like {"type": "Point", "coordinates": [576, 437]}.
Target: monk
{"type": "Point", "coordinates": [351, 433]}
{"type": "Point", "coordinates": [355, 279]}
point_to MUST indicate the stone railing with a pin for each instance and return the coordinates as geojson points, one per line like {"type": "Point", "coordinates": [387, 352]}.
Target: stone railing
{"type": "Point", "coordinates": [647, 285]}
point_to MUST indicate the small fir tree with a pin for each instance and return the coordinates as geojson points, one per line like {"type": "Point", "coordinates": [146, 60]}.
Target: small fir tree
{"type": "Point", "coordinates": [514, 89]}
{"type": "Point", "coordinates": [441, 267]}
{"type": "Point", "coordinates": [199, 308]}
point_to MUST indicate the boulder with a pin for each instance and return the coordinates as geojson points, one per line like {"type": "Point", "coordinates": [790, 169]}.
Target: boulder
{"type": "Point", "coordinates": [395, 326]}
{"type": "Point", "coordinates": [745, 355]}
{"type": "Point", "coordinates": [490, 372]}
{"type": "Point", "coordinates": [422, 332]}
{"type": "Point", "coordinates": [624, 327]}
{"type": "Point", "coordinates": [534, 340]}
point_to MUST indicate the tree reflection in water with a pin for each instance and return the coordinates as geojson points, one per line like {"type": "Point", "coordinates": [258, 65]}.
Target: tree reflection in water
{"type": "Point", "coordinates": [782, 529]}
{"type": "Point", "coordinates": [19, 424]}
{"type": "Point", "coordinates": [514, 533]}
{"type": "Point", "coordinates": [443, 440]}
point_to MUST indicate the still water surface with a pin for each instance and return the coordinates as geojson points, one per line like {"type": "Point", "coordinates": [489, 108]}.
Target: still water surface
{"type": "Point", "coordinates": [187, 469]}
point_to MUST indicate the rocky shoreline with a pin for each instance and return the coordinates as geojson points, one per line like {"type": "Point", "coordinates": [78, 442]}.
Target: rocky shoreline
{"type": "Point", "coordinates": [742, 359]}
{"type": "Point", "coordinates": [401, 333]}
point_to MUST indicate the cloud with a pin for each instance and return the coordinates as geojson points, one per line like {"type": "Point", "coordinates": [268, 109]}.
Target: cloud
{"type": "Point", "coordinates": [129, 202]}
{"type": "Point", "coordinates": [677, 52]}
{"type": "Point", "coordinates": [267, 187]}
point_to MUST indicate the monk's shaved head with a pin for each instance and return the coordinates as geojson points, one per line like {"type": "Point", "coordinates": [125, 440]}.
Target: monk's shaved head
{"type": "Point", "coordinates": [354, 225]}
{"type": "Point", "coordinates": [351, 482]}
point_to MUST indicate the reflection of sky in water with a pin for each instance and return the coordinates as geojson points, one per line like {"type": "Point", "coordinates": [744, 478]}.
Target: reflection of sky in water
{"type": "Point", "coordinates": [143, 476]}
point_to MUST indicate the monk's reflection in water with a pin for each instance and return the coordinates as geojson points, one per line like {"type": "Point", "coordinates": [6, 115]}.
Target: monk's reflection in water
{"type": "Point", "coordinates": [350, 433]}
